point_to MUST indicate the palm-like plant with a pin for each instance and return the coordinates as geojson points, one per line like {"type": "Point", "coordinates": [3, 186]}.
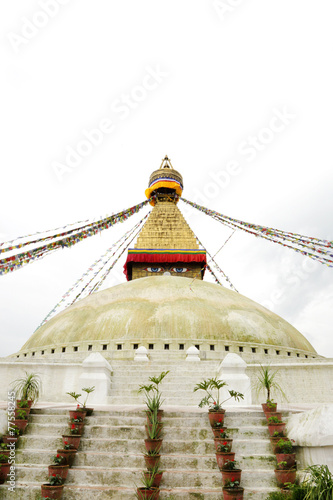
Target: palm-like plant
{"type": "Point", "coordinates": [28, 387]}
{"type": "Point", "coordinates": [212, 387]}
{"type": "Point", "coordinates": [76, 396]}
{"type": "Point", "coordinates": [267, 380]}
{"type": "Point", "coordinates": [152, 394]}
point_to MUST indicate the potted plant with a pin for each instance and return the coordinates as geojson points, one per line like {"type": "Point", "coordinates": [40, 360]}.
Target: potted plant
{"type": "Point", "coordinates": [152, 459]}
{"type": "Point", "coordinates": [82, 406]}
{"type": "Point", "coordinates": [218, 427]}
{"type": "Point", "coordinates": [21, 420]}
{"type": "Point", "coordinates": [147, 490]}
{"type": "Point", "coordinates": [230, 471]}
{"type": "Point", "coordinates": [4, 449]}
{"type": "Point", "coordinates": [277, 436]}
{"type": "Point", "coordinates": [155, 474]}
{"type": "Point", "coordinates": [212, 387]}
{"type": "Point", "coordinates": [58, 467]}
{"type": "Point", "coordinates": [152, 395]}
{"type": "Point", "coordinates": [68, 452]}
{"type": "Point", "coordinates": [232, 490]}
{"type": "Point", "coordinates": [13, 436]}
{"type": "Point", "coordinates": [154, 440]}
{"type": "Point", "coordinates": [52, 489]}
{"type": "Point", "coordinates": [76, 426]}
{"type": "Point", "coordinates": [275, 425]}
{"type": "Point", "coordinates": [4, 467]}
{"type": "Point", "coordinates": [284, 474]}
{"type": "Point", "coordinates": [73, 438]}
{"type": "Point", "coordinates": [222, 439]}
{"type": "Point", "coordinates": [23, 404]}
{"type": "Point", "coordinates": [223, 454]}
{"type": "Point", "coordinates": [28, 388]}
{"type": "Point", "coordinates": [284, 452]}
{"type": "Point", "coordinates": [269, 414]}
{"type": "Point", "coordinates": [267, 381]}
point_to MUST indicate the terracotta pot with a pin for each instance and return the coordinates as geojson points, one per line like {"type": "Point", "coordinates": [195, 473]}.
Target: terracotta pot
{"type": "Point", "coordinates": [228, 475]}
{"type": "Point", "coordinates": [222, 458]}
{"type": "Point", "coordinates": [69, 456]}
{"type": "Point", "coordinates": [5, 452]}
{"type": "Point", "coordinates": [153, 444]}
{"type": "Point", "coordinates": [21, 424]}
{"type": "Point", "coordinates": [79, 426]}
{"type": "Point", "coordinates": [4, 471]}
{"type": "Point", "coordinates": [219, 441]}
{"type": "Point", "coordinates": [285, 476]}
{"type": "Point", "coordinates": [157, 478]}
{"type": "Point", "coordinates": [144, 493]}
{"type": "Point", "coordinates": [152, 461]}
{"type": "Point", "coordinates": [89, 411]}
{"type": "Point", "coordinates": [276, 414]}
{"type": "Point", "coordinates": [9, 439]}
{"type": "Point", "coordinates": [276, 428]}
{"type": "Point", "coordinates": [71, 439]}
{"type": "Point", "coordinates": [52, 491]}
{"type": "Point", "coordinates": [217, 432]}
{"type": "Point", "coordinates": [233, 493]}
{"type": "Point", "coordinates": [290, 458]}
{"type": "Point", "coordinates": [77, 414]}
{"type": "Point", "coordinates": [266, 409]}
{"type": "Point", "coordinates": [216, 416]}
{"type": "Point", "coordinates": [275, 440]}
{"type": "Point", "coordinates": [59, 470]}
{"type": "Point", "coordinates": [160, 414]}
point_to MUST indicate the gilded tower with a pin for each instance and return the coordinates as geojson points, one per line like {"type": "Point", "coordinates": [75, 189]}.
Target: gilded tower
{"type": "Point", "coordinates": [166, 245]}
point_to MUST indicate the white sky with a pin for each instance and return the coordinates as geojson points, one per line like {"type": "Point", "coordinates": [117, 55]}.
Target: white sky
{"type": "Point", "coordinates": [224, 73]}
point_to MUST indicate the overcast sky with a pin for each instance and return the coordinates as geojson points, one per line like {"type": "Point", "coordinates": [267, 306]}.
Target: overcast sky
{"type": "Point", "coordinates": [237, 93]}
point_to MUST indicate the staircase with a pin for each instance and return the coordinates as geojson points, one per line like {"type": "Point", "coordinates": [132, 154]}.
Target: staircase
{"type": "Point", "coordinates": [110, 459]}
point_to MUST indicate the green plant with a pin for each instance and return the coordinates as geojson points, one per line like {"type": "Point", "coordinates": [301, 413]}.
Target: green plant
{"type": "Point", "coordinates": [223, 435]}
{"type": "Point", "coordinates": [282, 465]}
{"type": "Point", "coordinates": [212, 387]}
{"type": "Point", "coordinates": [277, 434]}
{"type": "Point", "coordinates": [152, 393]}
{"type": "Point", "coordinates": [74, 430]}
{"type": "Point", "coordinates": [68, 446]}
{"type": "Point", "coordinates": [76, 420]}
{"type": "Point", "coordinates": [74, 395]}
{"type": "Point", "coordinates": [151, 493]}
{"type": "Point", "coordinates": [58, 459]}
{"type": "Point", "coordinates": [267, 381]}
{"type": "Point", "coordinates": [274, 420]}
{"type": "Point", "coordinates": [23, 404]}
{"type": "Point", "coordinates": [231, 483]}
{"type": "Point", "coordinates": [318, 483]}
{"type": "Point", "coordinates": [28, 387]}
{"type": "Point", "coordinates": [55, 479]}
{"type": "Point", "coordinates": [3, 446]}
{"type": "Point", "coordinates": [21, 415]}
{"type": "Point", "coordinates": [224, 448]}
{"type": "Point", "coordinates": [154, 428]}
{"type": "Point", "coordinates": [14, 431]}
{"type": "Point", "coordinates": [219, 424]}
{"type": "Point", "coordinates": [3, 458]}
{"type": "Point", "coordinates": [285, 446]}
{"type": "Point", "coordinates": [230, 465]}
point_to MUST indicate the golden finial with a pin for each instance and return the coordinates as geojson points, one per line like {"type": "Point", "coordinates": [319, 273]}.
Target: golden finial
{"type": "Point", "coordinates": [166, 163]}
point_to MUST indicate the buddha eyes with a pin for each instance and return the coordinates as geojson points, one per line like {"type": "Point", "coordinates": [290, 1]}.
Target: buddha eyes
{"type": "Point", "coordinates": [179, 269]}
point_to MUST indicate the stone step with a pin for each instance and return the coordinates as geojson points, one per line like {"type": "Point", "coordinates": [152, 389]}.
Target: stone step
{"type": "Point", "coordinates": [168, 461]}
{"type": "Point", "coordinates": [93, 476]}
{"type": "Point", "coordinates": [30, 491]}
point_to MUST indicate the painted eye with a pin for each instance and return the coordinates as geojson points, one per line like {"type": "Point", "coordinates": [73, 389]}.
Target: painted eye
{"type": "Point", "coordinates": [179, 270]}
{"type": "Point", "coordinates": [154, 269]}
